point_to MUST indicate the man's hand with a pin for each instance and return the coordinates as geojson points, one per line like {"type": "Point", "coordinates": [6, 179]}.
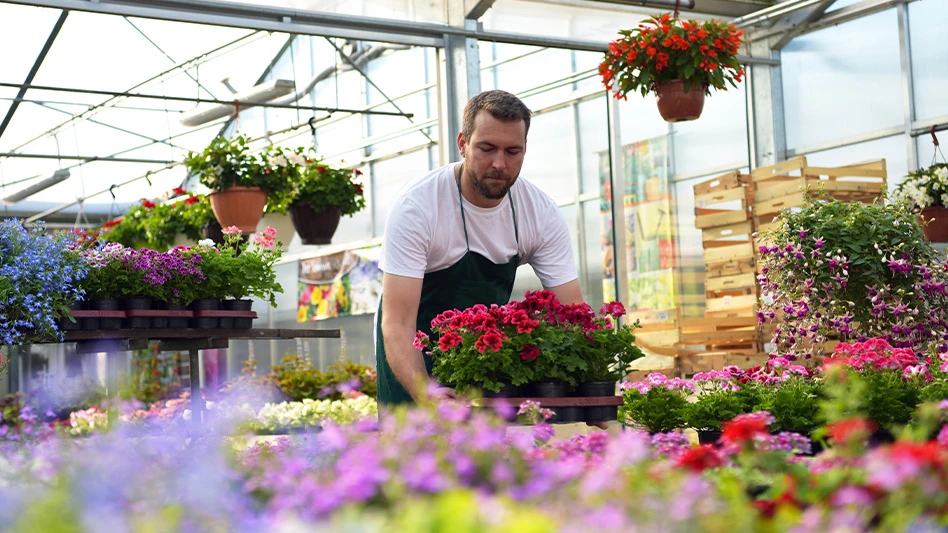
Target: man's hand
{"type": "Point", "coordinates": [400, 298]}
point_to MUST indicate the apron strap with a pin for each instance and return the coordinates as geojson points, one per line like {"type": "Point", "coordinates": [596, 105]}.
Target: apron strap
{"type": "Point", "coordinates": [513, 212]}
{"type": "Point", "coordinates": [461, 203]}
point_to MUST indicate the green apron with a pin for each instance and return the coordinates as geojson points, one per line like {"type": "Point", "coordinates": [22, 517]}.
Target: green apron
{"type": "Point", "coordinates": [474, 279]}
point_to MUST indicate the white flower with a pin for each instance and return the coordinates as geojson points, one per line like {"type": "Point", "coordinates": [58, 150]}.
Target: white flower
{"type": "Point", "coordinates": [296, 159]}
{"type": "Point", "coordinates": [278, 161]}
{"type": "Point", "coordinates": [206, 242]}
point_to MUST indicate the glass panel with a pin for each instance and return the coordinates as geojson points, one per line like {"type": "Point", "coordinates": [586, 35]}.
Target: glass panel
{"type": "Point", "coordinates": [927, 155]}
{"type": "Point", "coordinates": [717, 140]}
{"type": "Point", "coordinates": [593, 259]}
{"type": "Point", "coordinates": [411, 10]}
{"type": "Point", "coordinates": [25, 30]}
{"type": "Point", "coordinates": [927, 22]}
{"type": "Point", "coordinates": [388, 178]}
{"type": "Point", "coordinates": [550, 162]}
{"type": "Point", "coordinates": [527, 279]}
{"type": "Point", "coordinates": [593, 123]}
{"type": "Point", "coordinates": [843, 81]}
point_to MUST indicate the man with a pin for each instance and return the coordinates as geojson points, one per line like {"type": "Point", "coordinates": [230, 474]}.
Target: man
{"type": "Point", "coordinates": [455, 237]}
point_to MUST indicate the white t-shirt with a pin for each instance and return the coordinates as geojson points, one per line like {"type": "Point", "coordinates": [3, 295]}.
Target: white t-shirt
{"type": "Point", "coordinates": [424, 230]}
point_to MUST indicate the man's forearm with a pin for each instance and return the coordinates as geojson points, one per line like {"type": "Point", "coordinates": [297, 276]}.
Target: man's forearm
{"type": "Point", "coordinates": [407, 363]}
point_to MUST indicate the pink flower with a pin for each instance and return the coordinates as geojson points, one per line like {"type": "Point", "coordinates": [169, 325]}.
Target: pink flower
{"type": "Point", "coordinates": [615, 309]}
{"type": "Point", "coordinates": [263, 240]}
{"type": "Point", "coordinates": [270, 232]}
{"type": "Point", "coordinates": [421, 341]}
{"type": "Point", "coordinates": [449, 340]}
{"type": "Point", "coordinates": [230, 230]}
{"type": "Point", "coordinates": [529, 352]}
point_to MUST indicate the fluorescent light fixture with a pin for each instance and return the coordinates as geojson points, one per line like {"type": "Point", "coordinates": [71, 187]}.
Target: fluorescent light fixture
{"type": "Point", "coordinates": [260, 94]}
{"type": "Point", "coordinates": [57, 177]}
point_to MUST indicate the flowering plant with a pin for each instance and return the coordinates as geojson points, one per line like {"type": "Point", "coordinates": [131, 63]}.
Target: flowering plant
{"type": "Point", "coordinates": [883, 383]}
{"type": "Point", "coordinates": [279, 170]}
{"type": "Point", "coordinates": [659, 404]}
{"type": "Point", "coordinates": [718, 399]}
{"type": "Point", "coordinates": [852, 270]}
{"type": "Point", "coordinates": [927, 187]}
{"type": "Point", "coordinates": [119, 272]}
{"type": "Point", "coordinates": [156, 224]}
{"type": "Point", "coordinates": [240, 269]}
{"type": "Point", "coordinates": [38, 281]}
{"type": "Point", "coordinates": [701, 53]}
{"type": "Point", "coordinates": [299, 379]}
{"type": "Point", "coordinates": [288, 415]}
{"type": "Point", "coordinates": [537, 339]}
{"type": "Point", "coordinates": [225, 163]}
{"type": "Point", "coordinates": [323, 186]}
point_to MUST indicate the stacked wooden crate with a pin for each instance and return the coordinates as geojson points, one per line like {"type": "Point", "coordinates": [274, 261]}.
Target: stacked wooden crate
{"type": "Point", "coordinates": [787, 184]}
{"type": "Point", "coordinates": [723, 214]}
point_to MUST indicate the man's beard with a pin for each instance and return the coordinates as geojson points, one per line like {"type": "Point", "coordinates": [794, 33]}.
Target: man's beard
{"type": "Point", "coordinates": [483, 185]}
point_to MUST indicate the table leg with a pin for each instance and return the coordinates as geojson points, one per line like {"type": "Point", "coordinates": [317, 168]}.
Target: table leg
{"type": "Point", "coordinates": [197, 402]}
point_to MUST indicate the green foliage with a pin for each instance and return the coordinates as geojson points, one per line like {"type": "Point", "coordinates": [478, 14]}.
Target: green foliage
{"type": "Point", "coordinates": [323, 186]}
{"type": "Point", "coordinates": [299, 379]}
{"type": "Point", "coordinates": [794, 403]}
{"type": "Point", "coordinates": [239, 269]}
{"type": "Point", "coordinates": [156, 225]}
{"type": "Point", "coordinates": [609, 353]}
{"type": "Point", "coordinates": [659, 410]}
{"type": "Point", "coordinates": [225, 163]}
{"type": "Point", "coordinates": [713, 407]}
{"type": "Point", "coordinates": [882, 396]}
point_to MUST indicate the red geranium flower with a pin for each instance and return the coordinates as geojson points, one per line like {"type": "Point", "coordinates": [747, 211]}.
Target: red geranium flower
{"type": "Point", "coordinates": [743, 428]}
{"type": "Point", "coordinates": [700, 458]}
{"type": "Point", "coordinates": [529, 352]}
{"type": "Point", "coordinates": [850, 429]}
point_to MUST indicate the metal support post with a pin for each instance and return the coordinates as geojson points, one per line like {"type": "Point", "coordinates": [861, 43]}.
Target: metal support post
{"type": "Point", "coordinates": [617, 180]}
{"type": "Point", "coordinates": [197, 402]}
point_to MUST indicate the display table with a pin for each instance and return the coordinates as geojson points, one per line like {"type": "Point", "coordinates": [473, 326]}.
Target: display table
{"type": "Point", "coordinates": [192, 340]}
{"type": "Point", "coordinates": [564, 401]}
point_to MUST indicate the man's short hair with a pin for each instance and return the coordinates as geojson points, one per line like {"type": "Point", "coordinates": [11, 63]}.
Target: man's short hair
{"type": "Point", "coordinates": [501, 105]}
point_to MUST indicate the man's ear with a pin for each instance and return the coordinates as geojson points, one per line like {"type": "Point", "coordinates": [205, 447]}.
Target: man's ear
{"type": "Point", "coordinates": [462, 143]}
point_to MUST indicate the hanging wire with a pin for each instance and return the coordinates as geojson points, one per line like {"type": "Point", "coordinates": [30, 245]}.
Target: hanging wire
{"type": "Point", "coordinates": [937, 151]}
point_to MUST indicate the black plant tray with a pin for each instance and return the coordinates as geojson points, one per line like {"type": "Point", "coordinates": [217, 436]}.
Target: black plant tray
{"type": "Point", "coordinates": [565, 401]}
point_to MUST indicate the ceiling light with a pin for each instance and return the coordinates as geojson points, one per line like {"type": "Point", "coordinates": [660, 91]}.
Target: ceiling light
{"type": "Point", "coordinates": [57, 177]}
{"type": "Point", "coordinates": [260, 94]}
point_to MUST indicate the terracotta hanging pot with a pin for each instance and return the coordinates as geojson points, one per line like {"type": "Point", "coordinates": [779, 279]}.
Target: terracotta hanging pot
{"type": "Point", "coordinates": [677, 105]}
{"type": "Point", "coordinates": [935, 223]}
{"type": "Point", "coordinates": [314, 227]}
{"type": "Point", "coordinates": [239, 206]}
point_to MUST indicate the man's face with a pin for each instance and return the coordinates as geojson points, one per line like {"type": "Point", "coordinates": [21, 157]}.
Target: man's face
{"type": "Point", "coordinates": [493, 155]}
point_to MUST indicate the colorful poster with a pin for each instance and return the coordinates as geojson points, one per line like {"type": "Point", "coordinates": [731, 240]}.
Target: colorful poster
{"type": "Point", "coordinates": [340, 284]}
{"type": "Point", "coordinates": [647, 215]}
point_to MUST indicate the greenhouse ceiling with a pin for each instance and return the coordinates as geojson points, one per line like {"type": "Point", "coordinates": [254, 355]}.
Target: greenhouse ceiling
{"type": "Point", "coordinates": [92, 94]}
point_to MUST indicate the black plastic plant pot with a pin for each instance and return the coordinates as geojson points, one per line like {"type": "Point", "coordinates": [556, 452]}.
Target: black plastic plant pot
{"type": "Point", "coordinates": [110, 323]}
{"type": "Point", "coordinates": [507, 391]}
{"type": "Point", "coordinates": [67, 324]}
{"type": "Point", "coordinates": [136, 303]}
{"type": "Point", "coordinates": [601, 413]}
{"type": "Point", "coordinates": [549, 389]}
{"type": "Point", "coordinates": [566, 415]}
{"type": "Point", "coordinates": [104, 304]}
{"type": "Point", "coordinates": [205, 322]}
{"type": "Point", "coordinates": [238, 305]}
{"type": "Point", "coordinates": [708, 436]}
{"type": "Point", "coordinates": [138, 322]}
{"type": "Point", "coordinates": [173, 322]}
{"type": "Point", "coordinates": [89, 323]}
{"type": "Point", "coordinates": [205, 304]}
{"type": "Point", "coordinates": [225, 322]}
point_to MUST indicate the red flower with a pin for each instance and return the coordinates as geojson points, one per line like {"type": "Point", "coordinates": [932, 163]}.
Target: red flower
{"type": "Point", "coordinates": [490, 339]}
{"type": "Point", "coordinates": [358, 172]}
{"type": "Point", "coordinates": [700, 458]}
{"type": "Point", "coordinates": [449, 340]}
{"type": "Point", "coordinates": [849, 429]}
{"type": "Point", "coordinates": [529, 352]}
{"type": "Point", "coordinates": [148, 204]}
{"type": "Point", "coordinates": [743, 428]}
{"type": "Point", "coordinates": [178, 191]}
{"type": "Point", "coordinates": [358, 188]}
{"type": "Point", "coordinates": [113, 222]}
{"type": "Point", "coordinates": [191, 200]}
{"type": "Point", "coordinates": [651, 51]}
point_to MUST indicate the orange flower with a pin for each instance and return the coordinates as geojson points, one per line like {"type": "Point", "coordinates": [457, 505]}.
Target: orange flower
{"type": "Point", "coordinates": [651, 51]}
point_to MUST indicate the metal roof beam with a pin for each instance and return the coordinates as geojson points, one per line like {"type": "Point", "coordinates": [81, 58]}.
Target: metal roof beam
{"type": "Point", "coordinates": [32, 74]}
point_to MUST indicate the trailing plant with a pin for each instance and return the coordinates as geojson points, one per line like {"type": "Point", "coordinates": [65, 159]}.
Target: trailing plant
{"type": "Point", "coordinates": [853, 271]}
{"type": "Point", "coordinates": [39, 275]}
{"type": "Point", "coordinates": [323, 186]}
{"type": "Point", "coordinates": [926, 187]}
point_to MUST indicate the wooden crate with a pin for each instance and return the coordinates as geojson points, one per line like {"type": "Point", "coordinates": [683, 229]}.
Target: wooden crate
{"type": "Point", "coordinates": [692, 364]}
{"type": "Point", "coordinates": [723, 201]}
{"type": "Point", "coordinates": [787, 184]}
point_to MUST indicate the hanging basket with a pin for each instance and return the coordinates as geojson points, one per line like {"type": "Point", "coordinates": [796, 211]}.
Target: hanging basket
{"type": "Point", "coordinates": [239, 206]}
{"type": "Point", "coordinates": [676, 104]}
{"type": "Point", "coordinates": [314, 227]}
{"type": "Point", "coordinates": [935, 223]}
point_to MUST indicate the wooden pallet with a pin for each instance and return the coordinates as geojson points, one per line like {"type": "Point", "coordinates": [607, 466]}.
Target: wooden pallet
{"type": "Point", "coordinates": [723, 201]}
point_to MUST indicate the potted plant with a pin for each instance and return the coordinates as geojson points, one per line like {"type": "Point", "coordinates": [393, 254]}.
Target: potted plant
{"type": "Point", "coordinates": [679, 60]}
{"type": "Point", "coordinates": [158, 224]}
{"type": "Point", "coordinates": [717, 399]}
{"type": "Point", "coordinates": [849, 271]}
{"type": "Point", "coordinates": [233, 175]}
{"type": "Point", "coordinates": [39, 276]}
{"type": "Point", "coordinates": [322, 196]}
{"type": "Point", "coordinates": [608, 354]}
{"type": "Point", "coordinates": [927, 190]}
{"type": "Point", "coordinates": [659, 404]}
